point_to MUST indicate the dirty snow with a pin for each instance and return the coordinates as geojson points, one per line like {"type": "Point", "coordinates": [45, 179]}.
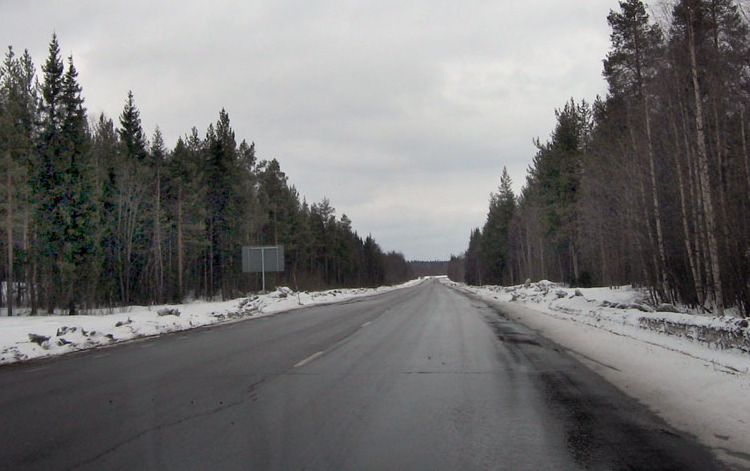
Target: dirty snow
{"type": "Point", "coordinates": [693, 370]}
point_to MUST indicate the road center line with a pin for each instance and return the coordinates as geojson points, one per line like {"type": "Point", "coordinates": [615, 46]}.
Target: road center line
{"type": "Point", "coordinates": [308, 359]}
{"type": "Point", "coordinates": [34, 370]}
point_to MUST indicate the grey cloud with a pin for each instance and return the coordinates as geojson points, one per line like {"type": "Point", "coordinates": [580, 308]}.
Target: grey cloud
{"type": "Point", "coordinates": [402, 113]}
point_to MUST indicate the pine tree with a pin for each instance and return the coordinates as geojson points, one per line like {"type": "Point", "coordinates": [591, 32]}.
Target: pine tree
{"type": "Point", "coordinates": [556, 172]}
{"type": "Point", "coordinates": [629, 68]}
{"type": "Point", "coordinates": [710, 47]}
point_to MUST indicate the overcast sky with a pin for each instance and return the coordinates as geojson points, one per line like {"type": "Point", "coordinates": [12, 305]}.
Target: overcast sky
{"type": "Point", "coordinates": [401, 112]}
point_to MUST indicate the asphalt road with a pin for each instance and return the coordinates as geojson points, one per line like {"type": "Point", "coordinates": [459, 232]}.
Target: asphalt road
{"type": "Point", "coordinates": [422, 378]}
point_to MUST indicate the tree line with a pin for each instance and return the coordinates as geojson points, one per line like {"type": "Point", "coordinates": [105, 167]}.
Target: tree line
{"type": "Point", "coordinates": [95, 214]}
{"type": "Point", "coordinates": [422, 268]}
{"type": "Point", "coordinates": [649, 185]}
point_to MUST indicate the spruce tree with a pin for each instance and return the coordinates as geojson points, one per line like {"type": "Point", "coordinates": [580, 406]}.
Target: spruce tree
{"type": "Point", "coordinates": [48, 178]}
{"type": "Point", "coordinates": [82, 232]}
{"type": "Point", "coordinates": [131, 132]}
{"type": "Point", "coordinates": [131, 196]}
{"type": "Point", "coordinates": [495, 234]}
{"type": "Point", "coordinates": [374, 262]}
{"type": "Point", "coordinates": [473, 266]}
{"type": "Point", "coordinates": [105, 155]}
{"type": "Point", "coordinates": [64, 210]}
{"type": "Point", "coordinates": [18, 108]}
{"type": "Point", "coordinates": [221, 172]}
{"type": "Point", "coordinates": [157, 157]}
{"type": "Point", "coordinates": [186, 208]}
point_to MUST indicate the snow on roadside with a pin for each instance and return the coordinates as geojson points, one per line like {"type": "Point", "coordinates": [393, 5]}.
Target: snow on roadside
{"type": "Point", "coordinates": [692, 370]}
{"type": "Point", "coordinates": [25, 338]}
{"type": "Point", "coordinates": [623, 311]}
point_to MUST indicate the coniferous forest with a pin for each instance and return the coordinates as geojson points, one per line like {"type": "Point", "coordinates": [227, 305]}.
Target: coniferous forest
{"type": "Point", "coordinates": [649, 185]}
{"type": "Point", "coordinates": [94, 213]}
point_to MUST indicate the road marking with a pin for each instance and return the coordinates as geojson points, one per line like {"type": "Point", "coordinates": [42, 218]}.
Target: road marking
{"type": "Point", "coordinates": [39, 368]}
{"type": "Point", "coordinates": [366, 323]}
{"type": "Point", "coordinates": [308, 359]}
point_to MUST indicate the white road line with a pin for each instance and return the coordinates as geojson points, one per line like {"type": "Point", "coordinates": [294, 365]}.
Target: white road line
{"type": "Point", "coordinates": [34, 370]}
{"type": "Point", "coordinates": [366, 323]}
{"type": "Point", "coordinates": [308, 359]}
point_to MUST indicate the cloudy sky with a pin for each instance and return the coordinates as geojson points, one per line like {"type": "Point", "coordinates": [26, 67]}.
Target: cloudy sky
{"type": "Point", "coordinates": [401, 112]}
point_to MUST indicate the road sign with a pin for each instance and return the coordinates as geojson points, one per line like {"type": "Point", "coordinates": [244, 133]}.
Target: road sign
{"type": "Point", "coordinates": [263, 259]}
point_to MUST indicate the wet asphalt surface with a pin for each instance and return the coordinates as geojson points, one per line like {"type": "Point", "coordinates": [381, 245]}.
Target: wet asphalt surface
{"type": "Point", "coordinates": [423, 378]}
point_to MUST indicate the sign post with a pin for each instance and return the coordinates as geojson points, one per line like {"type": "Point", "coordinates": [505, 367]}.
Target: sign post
{"type": "Point", "coordinates": [263, 259]}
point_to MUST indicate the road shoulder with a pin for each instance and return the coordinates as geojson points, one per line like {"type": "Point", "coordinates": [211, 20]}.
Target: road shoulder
{"type": "Point", "coordinates": [691, 394]}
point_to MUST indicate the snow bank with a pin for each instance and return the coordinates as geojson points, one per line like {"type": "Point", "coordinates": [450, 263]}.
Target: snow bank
{"type": "Point", "coordinates": [25, 338]}
{"type": "Point", "coordinates": [692, 370]}
{"type": "Point", "coordinates": [625, 311]}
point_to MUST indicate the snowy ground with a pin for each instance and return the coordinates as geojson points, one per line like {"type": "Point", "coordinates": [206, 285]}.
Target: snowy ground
{"type": "Point", "coordinates": [24, 338]}
{"type": "Point", "coordinates": [692, 370]}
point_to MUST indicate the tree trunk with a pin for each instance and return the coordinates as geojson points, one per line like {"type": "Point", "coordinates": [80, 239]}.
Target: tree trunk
{"type": "Point", "coordinates": [541, 259]}
{"type": "Point", "coordinates": [745, 154]}
{"type": "Point", "coordinates": [703, 173]}
{"type": "Point", "coordinates": [31, 269]}
{"type": "Point", "coordinates": [662, 268]}
{"type": "Point", "coordinates": [606, 279]}
{"type": "Point", "coordinates": [180, 247]}
{"type": "Point", "coordinates": [722, 187]}
{"type": "Point", "coordinates": [212, 283]}
{"type": "Point", "coordinates": [159, 262]}
{"type": "Point", "coordinates": [697, 278]}
{"type": "Point", "coordinates": [9, 213]}
{"type": "Point", "coordinates": [696, 212]}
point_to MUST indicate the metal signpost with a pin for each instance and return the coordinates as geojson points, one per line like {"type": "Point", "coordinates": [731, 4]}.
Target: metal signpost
{"type": "Point", "coordinates": [263, 259]}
